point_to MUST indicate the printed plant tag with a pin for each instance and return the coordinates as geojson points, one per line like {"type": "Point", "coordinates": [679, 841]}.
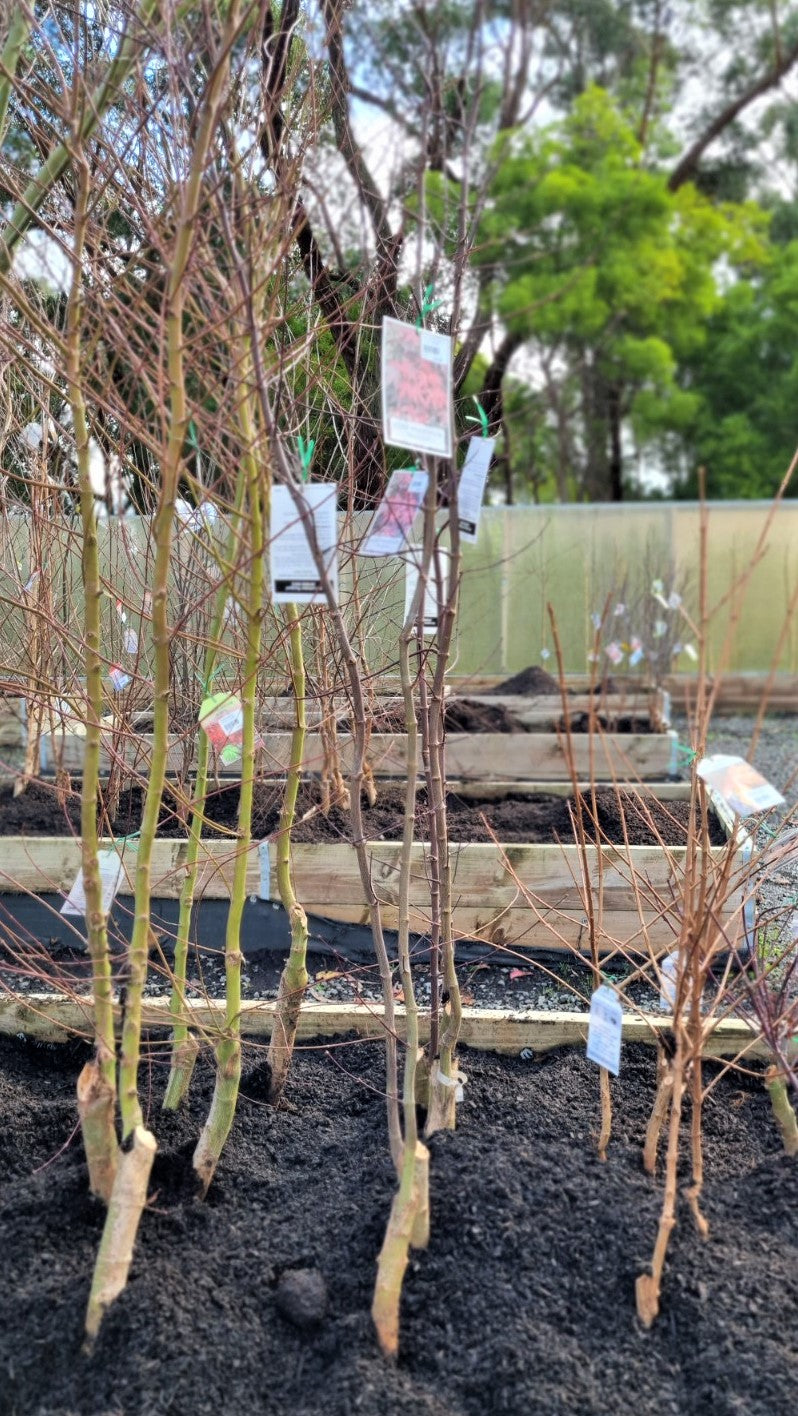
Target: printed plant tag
{"type": "Point", "coordinates": [118, 678]}
{"type": "Point", "coordinates": [471, 488]}
{"type": "Point", "coordinates": [111, 873]}
{"type": "Point", "coordinates": [294, 573]}
{"type": "Point", "coordinates": [614, 652]}
{"type": "Point", "coordinates": [416, 388]}
{"type": "Point", "coordinates": [229, 754]}
{"type": "Point", "coordinates": [667, 989]}
{"type": "Point", "coordinates": [604, 1030]}
{"type": "Point", "coordinates": [435, 590]}
{"type": "Point", "coordinates": [130, 641]}
{"type": "Point", "coordinates": [222, 720]}
{"type": "Point", "coordinates": [389, 532]}
{"type": "Point", "coordinates": [264, 892]}
{"type": "Point", "coordinates": [744, 789]}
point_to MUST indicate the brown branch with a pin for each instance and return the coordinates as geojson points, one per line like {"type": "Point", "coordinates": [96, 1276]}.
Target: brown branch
{"type": "Point", "coordinates": [687, 165]}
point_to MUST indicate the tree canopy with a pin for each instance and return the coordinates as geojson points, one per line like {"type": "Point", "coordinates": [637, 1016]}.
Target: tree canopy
{"type": "Point", "coordinates": [602, 192]}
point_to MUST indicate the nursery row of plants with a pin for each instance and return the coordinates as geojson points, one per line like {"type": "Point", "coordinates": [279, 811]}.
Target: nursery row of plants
{"type": "Point", "coordinates": [244, 712]}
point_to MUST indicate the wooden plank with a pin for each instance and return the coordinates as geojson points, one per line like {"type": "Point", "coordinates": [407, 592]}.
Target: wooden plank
{"type": "Point", "coordinates": [57, 1018]}
{"type": "Point", "coordinates": [488, 904]}
{"type": "Point", "coordinates": [549, 712]}
{"type": "Point", "coordinates": [551, 928]}
{"type": "Point", "coordinates": [469, 756]}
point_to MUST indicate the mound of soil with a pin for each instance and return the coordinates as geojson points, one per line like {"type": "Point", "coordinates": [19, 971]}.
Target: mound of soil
{"type": "Point", "coordinates": [523, 1302]}
{"type": "Point", "coordinates": [514, 818]}
{"type": "Point", "coordinates": [533, 682]}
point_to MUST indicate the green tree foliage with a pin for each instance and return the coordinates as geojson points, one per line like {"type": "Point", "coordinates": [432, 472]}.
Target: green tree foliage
{"type": "Point", "coordinates": [744, 385]}
{"type": "Point", "coordinates": [608, 280]}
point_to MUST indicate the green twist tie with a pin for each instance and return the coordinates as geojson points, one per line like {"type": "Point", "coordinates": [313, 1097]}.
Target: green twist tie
{"type": "Point", "coordinates": [482, 419]}
{"type": "Point", "coordinates": [428, 305]}
{"type": "Point", "coordinates": [687, 755]}
{"type": "Point", "coordinates": [127, 840]}
{"type": "Point", "coordinates": [305, 455]}
{"type": "Point", "coordinates": [191, 434]}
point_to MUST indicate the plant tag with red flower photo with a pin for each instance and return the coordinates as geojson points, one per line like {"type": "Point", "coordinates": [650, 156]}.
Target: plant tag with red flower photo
{"type": "Point", "coordinates": [389, 532]}
{"type": "Point", "coordinates": [416, 388]}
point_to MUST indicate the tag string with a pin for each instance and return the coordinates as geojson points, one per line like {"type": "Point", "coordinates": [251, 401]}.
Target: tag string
{"type": "Point", "coordinates": [428, 305]}
{"type": "Point", "coordinates": [482, 419]}
{"type": "Point", "coordinates": [305, 450]}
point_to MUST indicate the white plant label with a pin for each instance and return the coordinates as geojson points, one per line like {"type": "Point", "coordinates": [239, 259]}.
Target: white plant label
{"type": "Point", "coordinates": [669, 967]}
{"type": "Point", "coordinates": [389, 532]}
{"type": "Point", "coordinates": [118, 678]}
{"type": "Point", "coordinates": [471, 488]}
{"type": "Point", "coordinates": [744, 789]}
{"type": "Point", "coordinates": [604, 1030]}
{"type": "Point", "coordinates": [264, 891]}
{"type": "Point", "coordinates": [294, 574]}
{"type": "Point", "coordinates": [111, 873]}
{"type": "Point", "coordinates": [435, 590]}
{"type": "Point", "coordinates": [416, 388]}
{"type": "Point", "coordinates": [130, 641]}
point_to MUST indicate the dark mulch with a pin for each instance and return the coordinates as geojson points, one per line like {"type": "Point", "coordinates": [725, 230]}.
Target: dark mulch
{"type": "Point", "coordinates": [514, 818]}
{"type": "Point", "coordinates": [524, 1301]}
{"type": "Point", "coordinates": [533, 681]}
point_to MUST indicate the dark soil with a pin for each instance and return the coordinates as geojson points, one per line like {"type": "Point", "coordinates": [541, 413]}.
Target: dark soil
{"type": "Point", "coordinates": [515, 818]}
{"type": "Point", "coordinates": [534, 682]}
{"type": "Point", "coordinates": [523, 1302]}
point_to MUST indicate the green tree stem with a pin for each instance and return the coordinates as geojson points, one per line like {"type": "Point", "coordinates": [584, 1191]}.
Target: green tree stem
{"type": "Point", "coordinates": [97, 1092]}
{"type": "Point", "coordinates": [294, 977]}
{"type": "Point", "coordinates": [163, 533]}
{"type": "Point", "coordinates": [228, 1049]}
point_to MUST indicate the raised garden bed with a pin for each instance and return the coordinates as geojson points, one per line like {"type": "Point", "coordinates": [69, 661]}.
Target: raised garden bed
{"type": "Point", "coordinates": [524, 1300]}
{"type": "Point", "coordinates": [635, 883]}
{"type": "Point", "coordinates": [520, 737]}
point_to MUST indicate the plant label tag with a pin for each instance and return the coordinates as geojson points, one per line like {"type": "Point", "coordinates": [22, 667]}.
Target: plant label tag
{"type": "Point", "coordinates": [229, 754]}
{"type": "Point", "coordinates": [264, 890]}
{"type": "Point", "coordinates": [389, 532]}
{"type": "Point", "coordinates": [118, 678]}
{"type": "Point", "coordinates": [604, 1030]}
{"type": "Point", "coordinates": [435, 590]}
{"type": "Point", "coordinates": [111, 871]}
{"type": "Point", "coordinates": [416, 388]}
{"type": "Point", "coordinates": [669, 967]}
{"type": "Point", "coordinates": [743, 788]}
{"type": "Point", "coordinates": [471, 487]}
{"type": "Point", "coordinates": [130, 641]}
{"type": "Point", "coordinates": [295, 577]}
{"type": "Point", "coordinates": [221, 718]}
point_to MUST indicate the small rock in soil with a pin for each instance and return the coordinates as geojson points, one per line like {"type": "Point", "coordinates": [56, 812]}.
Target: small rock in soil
{"type": "Point", "coordinates": [301, 1297]}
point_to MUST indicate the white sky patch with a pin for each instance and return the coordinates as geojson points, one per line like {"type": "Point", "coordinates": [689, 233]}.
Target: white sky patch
{"type": "Point", "coordinates": [43, 258]}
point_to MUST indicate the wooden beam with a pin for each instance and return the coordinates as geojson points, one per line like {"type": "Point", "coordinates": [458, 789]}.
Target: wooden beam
{"type": "Point", "coordinates": [58, 1017]}
{"type": "Point", "coordinates": [472, 757]}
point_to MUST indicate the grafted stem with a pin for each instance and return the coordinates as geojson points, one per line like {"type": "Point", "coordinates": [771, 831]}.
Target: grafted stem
{"type": "Point", "coordinates": [294, 977]}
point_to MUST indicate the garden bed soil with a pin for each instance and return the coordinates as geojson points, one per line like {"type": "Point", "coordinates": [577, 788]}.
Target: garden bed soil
{"type": "Point", "coordinates": [535, 682]}
{"type": "Point", "coordinates": [524, 1301]}
{"type": "Point", "coordinates": [514, 818]}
